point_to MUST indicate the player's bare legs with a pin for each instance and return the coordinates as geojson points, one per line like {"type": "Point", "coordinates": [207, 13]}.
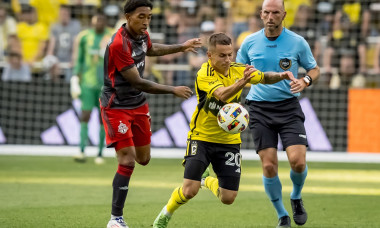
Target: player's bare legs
{"type": "Point", "coordinates": [190, 188]}
{"type": "Point", "coordinates": [297, 157]}
{"type": "Point", "coordinates": [272, 184]}
{"type": "Point", "coordinates": [297, 160]}
{"type": "Point", "coordinates": [188, 191]}
{"type": "Point", "coordinates": [126, 156]}
{"type": "Point", "coordinates": [143, 154]}
{"type": "Point", "coordinates": [227, 196]}
{"type": "Point", "coordinates": [269, 162]}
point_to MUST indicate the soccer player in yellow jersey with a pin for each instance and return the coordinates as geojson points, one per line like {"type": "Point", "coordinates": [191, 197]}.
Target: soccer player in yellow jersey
{"type": "Point", "coordinates": [218, 82]}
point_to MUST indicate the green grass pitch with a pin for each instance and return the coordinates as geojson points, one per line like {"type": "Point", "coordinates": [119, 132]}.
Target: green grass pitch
{"type": "Point", "coordinates": [56, 192]}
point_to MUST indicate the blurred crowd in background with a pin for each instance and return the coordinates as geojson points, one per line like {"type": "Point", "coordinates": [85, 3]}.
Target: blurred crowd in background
{"type": "Point", "coordinates": [38, 37]}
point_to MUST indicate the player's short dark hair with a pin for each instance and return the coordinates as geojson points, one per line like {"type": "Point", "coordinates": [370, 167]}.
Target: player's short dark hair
{"type": "Point", "coordinates": [131, 5]}
{"type": "Point", "coordinates": [219, 38]}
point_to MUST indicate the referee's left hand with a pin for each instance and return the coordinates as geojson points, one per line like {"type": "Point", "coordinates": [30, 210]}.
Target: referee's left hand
{"type": "Point", "coordinates": [297, 86]}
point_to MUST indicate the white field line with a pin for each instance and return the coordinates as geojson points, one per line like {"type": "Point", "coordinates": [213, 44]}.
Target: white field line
{"type": "Point", "coordinates": [91, 151]}
{"type": "Point", "coordinates": [170, 185]}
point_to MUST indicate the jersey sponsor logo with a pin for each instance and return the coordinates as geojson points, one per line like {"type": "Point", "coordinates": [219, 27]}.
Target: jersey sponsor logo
{"type": "Point", "coordinates": [194, 148]}
{"type": "Point", "coordinates": [285, 63]}
{"type": "Point", "coordinates": [272, 46]}
{"type": "Point", "coordinates": [213, 105]}
{"type": "Point", "coordinates": [122, 128]}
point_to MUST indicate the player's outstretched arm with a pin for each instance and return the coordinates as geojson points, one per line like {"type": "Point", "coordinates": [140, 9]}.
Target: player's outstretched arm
{"type": "Point", "coordinates": [163, 49]}
{"type": "Point", "coordinates": [273, 77]}
{"type": "Point", "coordinates": [225, 93]}
{"type": "Point", "coordinates": [133, 77]}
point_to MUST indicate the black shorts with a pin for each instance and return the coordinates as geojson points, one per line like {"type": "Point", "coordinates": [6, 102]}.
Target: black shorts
{"type": "Point", "coordinates": [267, 120]}
{"type": "Point", "coordinates": [225, 160]}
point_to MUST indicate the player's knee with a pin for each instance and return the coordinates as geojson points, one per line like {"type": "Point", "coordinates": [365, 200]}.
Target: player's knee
{"type": "Point", "coordinates": [270, 168]}
{"type": "Point", "coordinates": [227, 200]}
{"type": "Point", "coordinates": [189, 193]}
{"type": "Point", "coordinates": [127, 163]}
{"type": "Point", "coordinates": [143, 161]}
{"type": "Point", "coordinates": [298, 166]}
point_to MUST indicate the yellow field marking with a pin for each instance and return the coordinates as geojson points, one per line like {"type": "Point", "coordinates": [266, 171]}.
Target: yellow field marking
{"type": "Point", "coordinates": [170, 185]}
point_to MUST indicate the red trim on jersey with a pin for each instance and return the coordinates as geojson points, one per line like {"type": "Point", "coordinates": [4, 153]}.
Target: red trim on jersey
{"type": "Point", "coordinates": [106, 123]}
{"type": "Point", "coordinates": [110, 101]}
{"type": "Point", "coordinates": [149, 41]}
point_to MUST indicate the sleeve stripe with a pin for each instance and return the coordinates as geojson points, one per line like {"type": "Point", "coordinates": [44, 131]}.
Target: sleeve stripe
{"type": "Point", "coordinates": [215, 87]}
{"type": "Point", "coordinates": [237, 64]}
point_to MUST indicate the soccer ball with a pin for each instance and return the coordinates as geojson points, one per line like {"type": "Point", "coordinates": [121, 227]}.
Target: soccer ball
{"type": "Point", "coordinates": [233, 118]}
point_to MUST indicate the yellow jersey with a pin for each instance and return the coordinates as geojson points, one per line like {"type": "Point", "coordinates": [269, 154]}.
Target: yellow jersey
{"type": "Point", "coordinates": [31, 37]}
{"type": "Point", "coordinates": [203, 124]}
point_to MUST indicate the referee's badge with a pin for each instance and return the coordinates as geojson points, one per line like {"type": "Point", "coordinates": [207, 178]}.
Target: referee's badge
{"type": "Point", "coordinates": [285, 64]}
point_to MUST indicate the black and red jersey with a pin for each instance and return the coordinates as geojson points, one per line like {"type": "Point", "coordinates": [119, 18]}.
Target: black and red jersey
{"type": "Point", "coordinates": [123, 52]}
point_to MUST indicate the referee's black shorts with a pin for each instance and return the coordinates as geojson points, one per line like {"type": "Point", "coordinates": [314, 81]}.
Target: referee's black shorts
{"type": "Point", "coordinates": [267, 120]}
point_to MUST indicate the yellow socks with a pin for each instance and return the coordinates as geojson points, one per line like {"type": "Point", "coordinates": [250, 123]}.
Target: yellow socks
{"type": "Point", "coordinates": [212, 183]}
{"type": "Point", "coordinates": [176, 200]}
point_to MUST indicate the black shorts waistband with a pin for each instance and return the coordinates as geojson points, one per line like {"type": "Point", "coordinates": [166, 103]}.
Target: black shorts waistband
{"type": "Point", "coordinates": [290, 100]}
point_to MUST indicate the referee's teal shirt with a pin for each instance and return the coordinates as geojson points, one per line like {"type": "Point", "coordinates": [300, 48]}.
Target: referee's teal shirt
{"type": "Point", "coordinates": [286, 53]}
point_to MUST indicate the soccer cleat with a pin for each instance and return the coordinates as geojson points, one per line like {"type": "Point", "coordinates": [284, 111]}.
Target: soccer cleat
{"type": "Point", "coordinates": [162, 219]}
{"type": "Point", "coordinates": [284, 221]}
{"type": "Point", "coordinates": [299, 212]}
{"type": "Point", "coordinates": [204, 175]}
{"type": "Point", "coordinates": [117, 222]}
{"type": "Point", "coordinates": [99, 161]}
{"type": "Point", "coordinates": [80, 157]}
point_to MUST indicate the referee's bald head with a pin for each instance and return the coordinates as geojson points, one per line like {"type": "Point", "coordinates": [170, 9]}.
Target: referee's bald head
{"type": "Point", "coordinates": [266, 2]}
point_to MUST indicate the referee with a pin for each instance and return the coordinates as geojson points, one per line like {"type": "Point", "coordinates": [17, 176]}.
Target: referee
{"type": "Point", "coordinates": [275, 110]}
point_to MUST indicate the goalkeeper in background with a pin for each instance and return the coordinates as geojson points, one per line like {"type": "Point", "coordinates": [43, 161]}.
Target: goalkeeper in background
{"type": "Point", "coordinates": [218, 82]}
{"type": "Point", "coordinates": [88, 78]}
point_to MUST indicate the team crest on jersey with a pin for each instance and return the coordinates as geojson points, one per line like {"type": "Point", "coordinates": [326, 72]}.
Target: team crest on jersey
{"type": "Point", "coordinates": [122, 128]}
{"type": "Point", "coordinates": [285, 64]}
